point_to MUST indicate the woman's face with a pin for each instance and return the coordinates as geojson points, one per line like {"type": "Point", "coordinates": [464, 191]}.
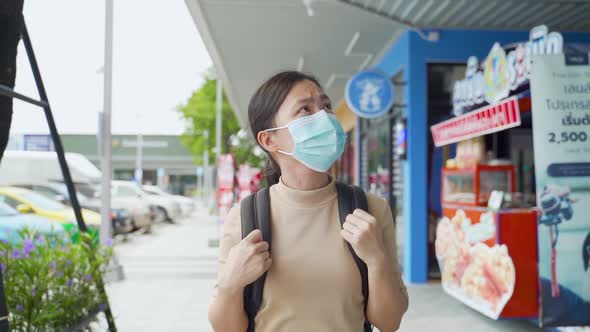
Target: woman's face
{"type": "Point", "coordinates": [304, 99]}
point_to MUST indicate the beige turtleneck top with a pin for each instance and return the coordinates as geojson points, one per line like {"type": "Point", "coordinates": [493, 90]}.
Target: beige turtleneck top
{"type": "Point", "coordinates": [313, 283]}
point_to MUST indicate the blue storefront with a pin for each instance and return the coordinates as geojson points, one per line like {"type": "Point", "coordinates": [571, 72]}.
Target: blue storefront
{"type": "Point", "coordinates": [395, 155]}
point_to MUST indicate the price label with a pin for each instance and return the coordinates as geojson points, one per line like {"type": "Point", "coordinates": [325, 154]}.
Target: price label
{"type": "Point", "coordinates": [568, 136]}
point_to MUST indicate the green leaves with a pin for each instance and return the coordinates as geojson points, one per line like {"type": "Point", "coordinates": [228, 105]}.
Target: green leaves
{"type": "Point", "coordinates": [54, 282]}
{"type": "Point", "coordinates": [199, 113]}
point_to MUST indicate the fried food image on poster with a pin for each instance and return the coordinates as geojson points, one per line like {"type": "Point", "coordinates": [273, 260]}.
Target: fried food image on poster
{"type": "Point", "coordinates": [480, 275]}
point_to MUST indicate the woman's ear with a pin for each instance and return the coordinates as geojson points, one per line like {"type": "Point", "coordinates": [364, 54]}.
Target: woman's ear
{"type": "Point", "coordinates": [266, 141]}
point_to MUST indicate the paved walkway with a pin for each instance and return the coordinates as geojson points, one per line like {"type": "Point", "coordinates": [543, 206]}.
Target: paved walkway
{"type": "Point", "coordinates": [169, 277]}
{"type": "Point", "coordinates": [170, 274]}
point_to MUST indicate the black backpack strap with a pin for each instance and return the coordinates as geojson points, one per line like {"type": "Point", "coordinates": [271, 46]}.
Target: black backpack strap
{"type": "Point", "coordinates": [255, 214]}
{"type": "Point", "coordinates": [349, 199]}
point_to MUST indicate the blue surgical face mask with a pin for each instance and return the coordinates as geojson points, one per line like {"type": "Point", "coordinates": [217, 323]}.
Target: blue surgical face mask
{"type": "Point", "coordinates": [319, 140]}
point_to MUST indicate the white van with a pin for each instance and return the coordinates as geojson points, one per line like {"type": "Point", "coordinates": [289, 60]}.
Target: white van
{"type": "Point", "coordinates": [36, 166]}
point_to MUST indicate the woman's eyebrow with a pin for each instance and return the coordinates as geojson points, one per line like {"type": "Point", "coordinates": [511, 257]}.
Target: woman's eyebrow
{"type": "Point", "coordinates": [305, 101]}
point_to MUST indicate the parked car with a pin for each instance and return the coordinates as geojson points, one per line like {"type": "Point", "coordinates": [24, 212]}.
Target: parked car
{"type": "Point", "coordinates": [12, 222]}
{"type": "Point", "coordinates": [187, 205]}
{"type": "Point", "coordinates": [120, 216]}
{"type": "Point", "coordinates": [29, 202]}
{"type": "Point", "coordinates": [166, 209]}
{"type": "Point", "coordinates": [143, 213]}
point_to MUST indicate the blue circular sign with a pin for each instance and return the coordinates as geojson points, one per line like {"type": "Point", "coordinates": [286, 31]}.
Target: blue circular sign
{"type": "Point", "coordinates": [369, 94]}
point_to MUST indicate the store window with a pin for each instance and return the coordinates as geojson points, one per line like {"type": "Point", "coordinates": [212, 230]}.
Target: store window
{"type": "Point", "coordinates": [441, 80]}
{"type": "Point", "coordinates": [377, 140]}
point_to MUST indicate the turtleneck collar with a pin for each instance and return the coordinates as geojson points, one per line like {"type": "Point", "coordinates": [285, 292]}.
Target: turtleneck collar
{"type": "Point", "coordinates": [304, 198]}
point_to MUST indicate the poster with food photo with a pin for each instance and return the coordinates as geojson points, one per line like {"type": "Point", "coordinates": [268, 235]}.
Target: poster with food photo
{"type": "Point", "coordinates": [474, 268]}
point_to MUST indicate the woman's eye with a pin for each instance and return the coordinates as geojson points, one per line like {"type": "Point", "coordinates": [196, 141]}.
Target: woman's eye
{"type": "Point", "coordinates": [328, 107]}
{"type": "Point", "coordinates": [304, 110]}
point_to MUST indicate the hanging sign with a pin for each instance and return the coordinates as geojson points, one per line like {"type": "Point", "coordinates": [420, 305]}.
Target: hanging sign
{"type": "Point", "coordinates": [484, 121]}
{"type": "Point", "coordinates": [561, 128]}
{"type": "Point", "coordinates": [369, 94]}
{"type": "Point", "coordinates": [501, 73]}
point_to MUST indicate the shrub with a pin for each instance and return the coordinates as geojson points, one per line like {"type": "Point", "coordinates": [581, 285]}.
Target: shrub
{"type": "Point", "coordinates": [50, 282]}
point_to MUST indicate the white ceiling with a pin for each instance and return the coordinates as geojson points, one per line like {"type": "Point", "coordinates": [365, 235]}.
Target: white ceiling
{"type": "Point", "coordinates": [249, 40]}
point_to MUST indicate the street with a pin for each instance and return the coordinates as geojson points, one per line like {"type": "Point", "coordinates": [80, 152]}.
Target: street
{"type": "Point", "coordinates": [170, 274]}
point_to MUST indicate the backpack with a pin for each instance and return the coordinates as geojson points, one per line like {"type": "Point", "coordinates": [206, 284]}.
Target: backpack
{"type": "Point", "coordinates": [255, 214]}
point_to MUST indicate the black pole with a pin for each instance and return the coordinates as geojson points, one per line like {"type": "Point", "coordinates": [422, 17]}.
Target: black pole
{"type": "Point", "coordinates": [8, 92]}
{"type": "Point", "coordinates": [61, 157]}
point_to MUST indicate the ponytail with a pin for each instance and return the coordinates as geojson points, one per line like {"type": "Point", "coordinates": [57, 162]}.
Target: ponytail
{"type": "Point", "coordinates": [272, 172]}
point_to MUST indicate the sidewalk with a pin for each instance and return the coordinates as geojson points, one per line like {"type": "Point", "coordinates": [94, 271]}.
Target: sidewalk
{"type": "Point", "coordinates": [431, 309]}
{"type": "Point", "coordinates": [170, 275]}
{"type": "Point", "coordinates": [169, 278]}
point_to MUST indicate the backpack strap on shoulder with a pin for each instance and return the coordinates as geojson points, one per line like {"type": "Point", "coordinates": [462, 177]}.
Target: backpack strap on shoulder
{"type": "Point", "coordinates": [255, 214]}
{"type": "Point", "coordinates": [349, 199]}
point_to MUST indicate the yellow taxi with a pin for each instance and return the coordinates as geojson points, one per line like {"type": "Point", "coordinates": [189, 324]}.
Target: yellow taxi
{"type": "Point", "coordinates": [27, 201]}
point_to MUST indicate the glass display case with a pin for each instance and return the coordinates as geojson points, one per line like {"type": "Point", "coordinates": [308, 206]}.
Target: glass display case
{"type": "Point", "coordinates": [473, 186]}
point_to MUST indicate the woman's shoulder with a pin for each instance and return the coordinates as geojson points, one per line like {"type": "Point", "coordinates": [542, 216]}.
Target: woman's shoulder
{"type": "Point", "coordinates": [377, 205]}
{"type": "Point", "coordinates": [232, 222]}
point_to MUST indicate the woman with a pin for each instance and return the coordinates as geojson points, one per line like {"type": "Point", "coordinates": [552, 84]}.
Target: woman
{"type": "Point", "coordinates": [313, 283]}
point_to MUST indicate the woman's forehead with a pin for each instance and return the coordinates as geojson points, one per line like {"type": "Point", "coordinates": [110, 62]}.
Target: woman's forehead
{"type": "Point", "coordinates": [304, 90]}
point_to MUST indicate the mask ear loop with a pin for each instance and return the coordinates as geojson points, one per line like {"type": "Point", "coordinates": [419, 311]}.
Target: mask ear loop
{"type": "Point", "coordinates": [275, 129]}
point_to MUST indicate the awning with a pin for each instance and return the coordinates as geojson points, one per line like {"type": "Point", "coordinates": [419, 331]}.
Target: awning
{"type": "Point", "coordinates": [559, 15]}
{"type": "Point", "coordinates": [249, 40]}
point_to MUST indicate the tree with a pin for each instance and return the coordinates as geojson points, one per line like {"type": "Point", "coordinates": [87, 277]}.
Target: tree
{"type": "Point", "coordinates": [199, 113]}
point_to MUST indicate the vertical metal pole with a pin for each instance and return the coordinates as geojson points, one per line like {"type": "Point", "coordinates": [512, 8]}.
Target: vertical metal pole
{"type": "Point", "coordinates": [206, 173]}
{"type": "Point", "coordinates": [106, 164]}
{"type": "Point", "coordinates": [218, 133]}
{"type": "Point", "coordinates": [218, 120]}
{"type": "Point", "coordinates": [215, 242]}
{"type": "Point", "coordinates": [139, 158]}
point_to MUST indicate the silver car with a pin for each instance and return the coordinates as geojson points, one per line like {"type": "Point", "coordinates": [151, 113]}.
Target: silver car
{"type": "Point", "coordinates": [167, 210]}
{"type": "Point", "coordinates": [187, 205]}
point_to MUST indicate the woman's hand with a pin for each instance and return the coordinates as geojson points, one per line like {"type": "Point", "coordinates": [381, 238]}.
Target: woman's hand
{"type": "Point", "coordinates": [246, 262]}
{"type": "Point", "coordinates": [362, 232]}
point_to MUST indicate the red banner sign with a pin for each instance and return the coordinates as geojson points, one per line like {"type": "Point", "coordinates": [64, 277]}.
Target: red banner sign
{"type": "Point", "coordinates": [486, 120]}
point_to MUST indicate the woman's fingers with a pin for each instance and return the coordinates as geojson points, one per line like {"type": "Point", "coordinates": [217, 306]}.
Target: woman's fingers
{"type": "Point", "coordinates": [347, 235]}
{"type": "Point", "coordinates": [350, 226]}
{"type": "Point", "coordinates": [261, 247]}
{"type": "Point", "coordinates": [357, 221]}
{"type": "Point", "coordinates": [254, 237]}
{"type": "Point", "coordinates": [264, 255]}
{"type": "Point", "coordinates": [364, 215]}
{"type": "Point", "coordinates": [267, 264]}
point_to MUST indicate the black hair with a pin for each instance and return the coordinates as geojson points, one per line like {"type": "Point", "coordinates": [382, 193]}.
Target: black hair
{"type": "Point", "coordinates": [586, 252]}
{"type": "Point", "coordinates": [265, 104]}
